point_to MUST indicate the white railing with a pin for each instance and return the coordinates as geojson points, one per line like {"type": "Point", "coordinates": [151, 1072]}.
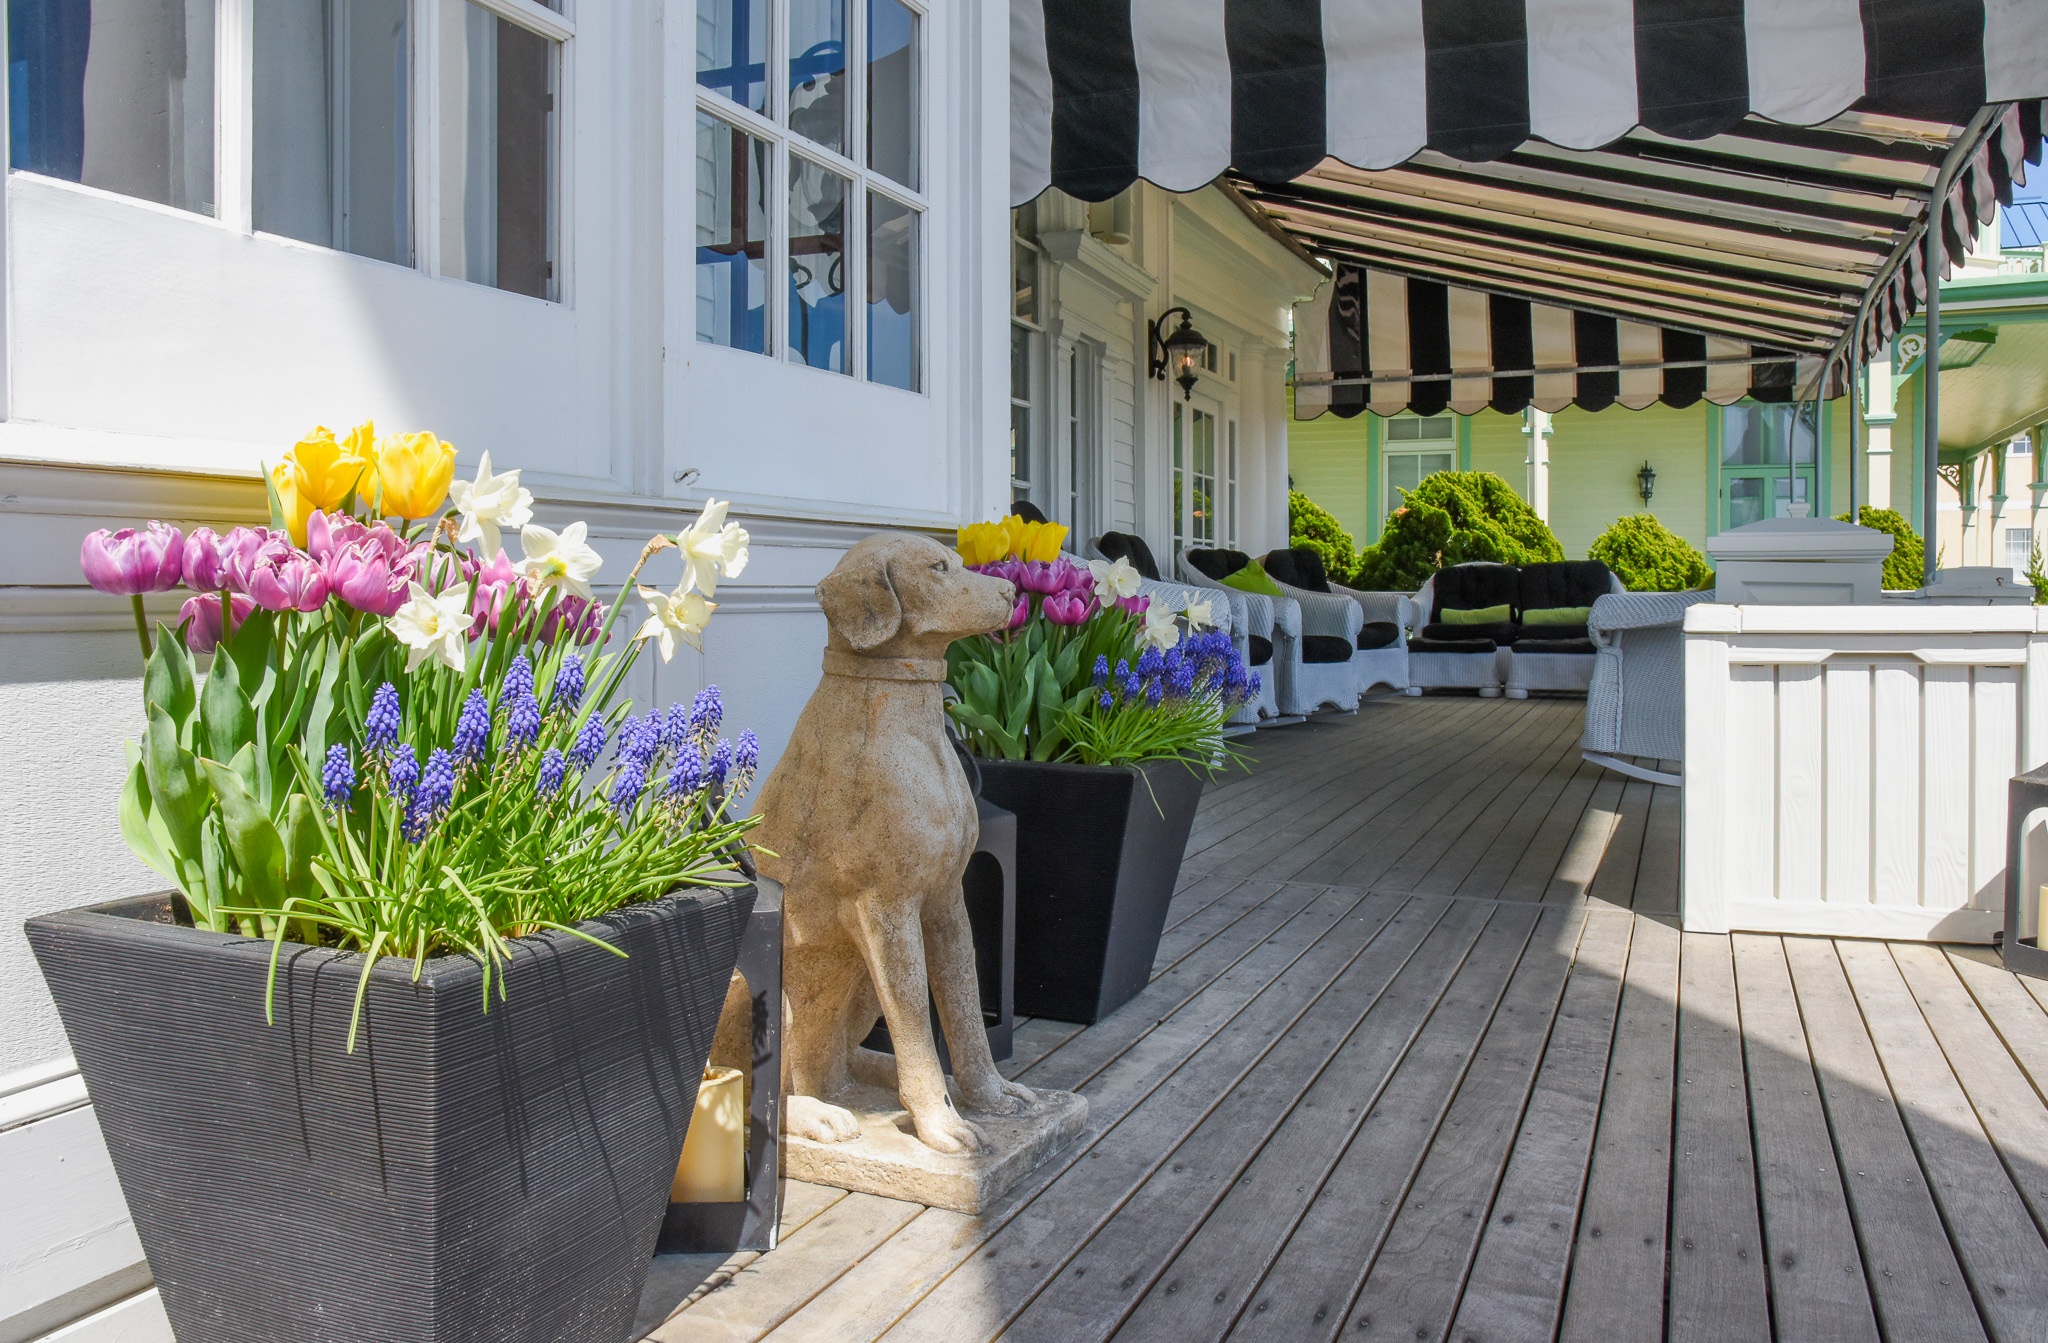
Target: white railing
{"type": "Point", "coordinates": [1846, 766]}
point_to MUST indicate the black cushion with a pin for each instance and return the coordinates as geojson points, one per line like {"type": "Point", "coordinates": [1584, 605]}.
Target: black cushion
{"type": "Point", "coordinates": [1262, 650]}
{"type": "Point", "coordinates": [1486, 634]}
{"type": "Point", "coordinates": [1562, 583]}
{"type": "Point", "coordinates": [1472, 587]}
{"type": "Point", "coordinates": [1028, 511]}
{"type": "Point", "coordinates": [1297, 567]}
{"type": "Point", "coordinates": [1132, 550]}
{"type": "Point", "coordinates": [1218, 564]}
{"type": "Point", "coordinates": [1378, 634]}
{"type": "Point", "coordinates": [1325, 648]}
{"type": "Point", "coordinates": [1428, 645]}
{"type": "Point", "coordinates": [1550, 634]}
{"type": "Point", "coordinates": [1553, 646]}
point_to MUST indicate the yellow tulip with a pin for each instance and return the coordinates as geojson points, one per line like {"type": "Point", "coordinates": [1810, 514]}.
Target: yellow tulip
{"type": "Point", "coordinates": [324, 471]}
{"type": "Point", "coordinates": [413, 472]}
{"type": "Point", "coordinates": [1033, 540]}
{"type": "Point", "coordinates": [293, 501]}
{"type": "Point", "coordinates": [1014, 532]}
{"type": "Point", "coordinates": [982, 543]}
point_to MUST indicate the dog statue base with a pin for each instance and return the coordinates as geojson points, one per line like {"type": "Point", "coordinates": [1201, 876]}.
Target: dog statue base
{"type": "Point", "coordinates": [888, 1159]}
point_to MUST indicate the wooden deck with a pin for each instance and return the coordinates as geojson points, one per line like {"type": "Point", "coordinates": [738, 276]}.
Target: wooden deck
{"type": "Point", "coordinates": [1425, 1058]}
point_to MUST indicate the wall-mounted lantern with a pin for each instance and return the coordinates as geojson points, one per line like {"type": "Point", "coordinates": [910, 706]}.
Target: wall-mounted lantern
{"type": "Point", "coordinates": [1182, 351]}
{"type": "Point", "coordinates": [1646, 482]}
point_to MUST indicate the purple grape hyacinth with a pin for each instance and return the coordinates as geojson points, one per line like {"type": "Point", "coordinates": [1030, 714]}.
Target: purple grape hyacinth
{"type": "Point", "coordinates": [518, 679]}
{"type": "Point", "coordinates": [473, 729]}
{"type": "Point", "coordinates": [381, 725]}
{"type": "Point", "coordinates": [567, 693]}
{"type": "Point", "coordinates": [404, 771]}
{"type": "Point", "coordinates": [553, 769]}
{"type": "Point", "coordinates": [522, 722]}
{"type": "Point", "coordinates": [589, 743]}
{"type": "Point", "coordinates": [338, 777]}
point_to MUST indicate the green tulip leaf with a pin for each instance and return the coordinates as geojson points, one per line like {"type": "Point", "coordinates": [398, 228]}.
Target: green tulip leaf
{"type": "Point", "coordinates": [179, 796]}
{"type": "Point", "coordinates": [253, 841]}
{"type": "Point", "coordinates": [227, 717]}
{"type": "Point", "coordinates": [142, 841]}
{"type": "Point", "coordinates": [167, 680]}
{"type": "Point", "coordinates": [301, 845]}
{"type": "Point", "coordinates": [210, 892]}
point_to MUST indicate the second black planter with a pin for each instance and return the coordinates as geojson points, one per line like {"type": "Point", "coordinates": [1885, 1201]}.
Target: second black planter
{"type": "Point", "coordinates": [465, 1176]}
{"type": "Point", "coordinates": [1098, 851]}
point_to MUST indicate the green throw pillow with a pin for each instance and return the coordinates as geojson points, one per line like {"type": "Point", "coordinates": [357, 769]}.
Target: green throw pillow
{"type": "Point", "coordinates": [1557, 615]}
{"type": "Point", "coordinates": [1484, 615]}
{"type": "Point", "coordinates": [1253, 578]}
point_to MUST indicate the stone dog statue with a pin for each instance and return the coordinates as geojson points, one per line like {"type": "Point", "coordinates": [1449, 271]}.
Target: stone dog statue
{"type": "Point", "coordinates": [873, 821]}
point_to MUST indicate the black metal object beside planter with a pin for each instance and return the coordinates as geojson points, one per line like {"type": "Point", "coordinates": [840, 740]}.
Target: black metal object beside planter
{"type": "Point", "coordinates": [2019, 947]}
{"type": "Point", "coordinates": [465, 1176]}
{"type": "Point", "coordinates": [1098, 852]}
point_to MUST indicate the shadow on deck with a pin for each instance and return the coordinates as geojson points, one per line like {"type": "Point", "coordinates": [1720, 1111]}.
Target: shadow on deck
{"type": "Point", "coordinates": [1424, 1057]}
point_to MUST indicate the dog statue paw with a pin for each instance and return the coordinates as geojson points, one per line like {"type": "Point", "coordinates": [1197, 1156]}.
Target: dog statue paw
{"type": "Point", "coordinates": [941, 1128]}
{"type": "Point", "coordinates": [809, 1117]}
{"type": "Point", "coordinates": [999, 1097]}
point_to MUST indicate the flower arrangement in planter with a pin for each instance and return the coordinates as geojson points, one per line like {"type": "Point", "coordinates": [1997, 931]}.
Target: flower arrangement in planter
{"type": "Point", "coordinates": [1095, 718]}
{"type": "Point", "coordinates": [451, 928]}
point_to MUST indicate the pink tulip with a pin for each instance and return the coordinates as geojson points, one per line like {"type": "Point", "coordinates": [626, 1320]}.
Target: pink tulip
{"type": "Point", "coordinates": [370, 568]}
{"type": "Point", "coordinates": [1021, 613]}
{"type": "Point", "coordinates": [204, 555]}
{"type": "Point", "coordinates": [1010, 569]}
{"type": "Point", "coordinates": [1068, 608]}
{"type": "Point", "coordinates": [1039, 577]}
{"type": "Point", "coordinates": [130, 562]}
{"type": "Point", "coordinates": [1073, 578]}
{"type": "Point", "coordinates": [498, 590]}
{"type": "Point", "coordinates": [575, 618]}
{"type": "Point", "coordinates": [201, 618]}
{"type": "Point", "coordinates": [245, 549]}
{"type": "Point", "coordinates": [290, 582]}
{"type": "Point", "coordinates": [1136, 606]}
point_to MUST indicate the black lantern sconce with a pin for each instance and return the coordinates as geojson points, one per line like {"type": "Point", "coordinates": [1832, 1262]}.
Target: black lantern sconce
{"type": "Point", "coordinates": [1646, 482]}
{"type": "Point", "coordinates": [1183, 350]}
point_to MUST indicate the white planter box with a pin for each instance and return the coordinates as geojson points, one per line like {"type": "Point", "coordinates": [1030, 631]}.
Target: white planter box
{"type": "Point", "coordinates": [1846, 766]}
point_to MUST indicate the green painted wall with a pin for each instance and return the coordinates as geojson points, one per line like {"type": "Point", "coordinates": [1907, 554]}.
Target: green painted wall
{"type": "Point", "coordinates": [1326, 460]}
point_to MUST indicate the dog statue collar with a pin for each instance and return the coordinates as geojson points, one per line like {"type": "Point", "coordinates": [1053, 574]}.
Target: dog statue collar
{"type": "Point", "coordinates": [840, 663]}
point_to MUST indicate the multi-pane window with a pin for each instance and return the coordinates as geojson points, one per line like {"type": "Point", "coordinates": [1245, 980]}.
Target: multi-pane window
{"type": "Point", "coordinates": [1027, 343]}
{"type": "Point", "coordinates": [1768, 455]}
{"type": "Point", "coordinates": [1230, 484]}
{"type": "Point", "coordinates": [122, 95]}
{"type": "Point", "coordinates": [1080, 398]}
{"type": "Point", "coordinates": [1195, 502]}
{"type": "Point", "coordinates": [1416, 447]}
{"type": "Point", "coordinates": [2019, 550]}
{"type": "Point", "coordinates": [810, 179]}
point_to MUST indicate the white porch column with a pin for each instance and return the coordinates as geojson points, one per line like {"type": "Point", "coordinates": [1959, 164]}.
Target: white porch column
{"type": "Point", "coordinates": [1536, 428]}
{"type": "Point", "coordinates": [1878, 427]}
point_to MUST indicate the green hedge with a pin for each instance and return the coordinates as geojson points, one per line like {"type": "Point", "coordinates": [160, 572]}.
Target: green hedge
{"type": "Point", "coordinates": [1902, 568]}
{"type": "Point", "coordinates": [1312, 526]}
{"type": "Point", "coordinates": [1648, 557]}
{"type": "Point", "coordinates": [1450, 518]}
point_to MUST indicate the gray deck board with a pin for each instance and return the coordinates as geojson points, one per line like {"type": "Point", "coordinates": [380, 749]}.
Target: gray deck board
{"type": "Point", "coordinates": [1424, 1056]}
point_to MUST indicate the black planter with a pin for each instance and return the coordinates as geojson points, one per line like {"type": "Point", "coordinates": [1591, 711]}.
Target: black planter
{"type": "Point", "coordinates": [495, 1176]}
{"type": "Point", "coordinates": [1097, 855]}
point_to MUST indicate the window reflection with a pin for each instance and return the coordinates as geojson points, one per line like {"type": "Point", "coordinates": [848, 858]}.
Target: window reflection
{"type": "Point", "coordinates": [893, 284]}
{"type": "Point", "coordinates": [892, 91]}
{"type": "Point", "coordinates": [817, 71]}
{"type": "Point", "coordinates": [817, 265]}
{"type": "Point", "coordinates": [497, 114]}
{"type": "Point", "coordinates": [332, 104]}
{"type": "Point", "coordinates": [732, 234]}
{"type": "Point", "coordinates": [732, 50]}
{"type": "Point", "coordinates": [116, 94]}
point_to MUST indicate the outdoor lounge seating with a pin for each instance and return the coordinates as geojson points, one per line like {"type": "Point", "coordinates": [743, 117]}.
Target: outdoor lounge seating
{"type": "Point", "coordinates": [1314, 635]}
{"type": "Point", "coordinates": [1380, 649]}
{"type": "Point", "coordinates": [1636, 706]}
{"type": "Point", "coordinates": [1231, 612]}
{"type": "Point", "coordinates": [1497, 628]}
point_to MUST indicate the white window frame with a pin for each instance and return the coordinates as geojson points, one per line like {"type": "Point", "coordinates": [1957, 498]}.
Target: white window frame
{"type": "Point", "coordinates": [772, 127]}
{"type": "Point", "coordinates": [1079, 467]}
{"type": "Point", "coordinates": [1033, 454]}
{"type": "Point", "coordinates": [1182, 476]}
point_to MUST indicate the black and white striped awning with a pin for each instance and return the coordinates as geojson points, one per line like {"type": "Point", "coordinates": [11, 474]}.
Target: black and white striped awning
{"type": "Point", "coordinates": [1375, 340]}
{"type": "Point", "coordinates": [1754, 174]}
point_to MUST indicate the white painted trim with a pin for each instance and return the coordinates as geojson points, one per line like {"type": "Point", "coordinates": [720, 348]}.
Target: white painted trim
{"type": "Point", "coordinates": [135, 1319]}
{"type": "Point", "coordinates": [1890, 924]}
{"type": "Point", "coordinates": [40, 1091]}
{"type": "Point", "coordinates": [527, 14]}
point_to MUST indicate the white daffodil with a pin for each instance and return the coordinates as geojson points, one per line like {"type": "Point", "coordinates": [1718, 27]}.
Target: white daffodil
{"type": "Point", "coordinates": [1201, 615]}
{"type": "Point", "coordinates": [559, 559]}
{"type": "Point", "coordinates": [1114, 579]}
{"type": "Point", "coordinates": [670, 615]}
{"type": "Point", "coordinates": [436, 627]}
{"type": "Point", "coordinates": [489, 506]}
{"type": "Point", "coordinates": [712, 549]}
{"type": "Point", "coordinates": [1161, 629]}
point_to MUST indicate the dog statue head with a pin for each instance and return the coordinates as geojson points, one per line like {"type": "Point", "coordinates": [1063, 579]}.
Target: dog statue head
{"type": "Point", "coordinates": [896, 594]}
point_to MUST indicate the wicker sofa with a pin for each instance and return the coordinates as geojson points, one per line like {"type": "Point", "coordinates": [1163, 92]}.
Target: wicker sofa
{"type": "Point", "coordinates": [1515, 654]}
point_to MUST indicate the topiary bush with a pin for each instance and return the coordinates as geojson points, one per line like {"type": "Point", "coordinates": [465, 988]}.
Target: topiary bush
{"type": "Point", "coordinates": [1311, 525]}
{"type": "Point", "coordinates": [1647, 556]}
{"type": "Point", "coordinates": [1450, 518]}
{"type": "Point", "coordinates": [1902, 568]}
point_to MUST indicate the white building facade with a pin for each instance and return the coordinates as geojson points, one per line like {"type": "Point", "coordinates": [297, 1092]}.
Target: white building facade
{"type": "Point", "coordinates": [647, 253]}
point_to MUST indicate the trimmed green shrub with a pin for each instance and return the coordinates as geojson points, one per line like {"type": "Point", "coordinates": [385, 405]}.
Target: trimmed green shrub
{"type": "Point", "coordinates": [1312, 526]}
{"type": "Point", "coordinates": [1902, 568]}
{"type": "Point", "coordinates": [1450, 518]}
{"type": "Point", "coordinates": [1647, 556]}
{"type": "Point", "coordinates": [2037, 577]}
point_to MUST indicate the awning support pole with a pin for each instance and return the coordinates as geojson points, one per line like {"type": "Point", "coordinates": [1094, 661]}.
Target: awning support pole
{"type": "Point", "coordinates": [1930, 407]}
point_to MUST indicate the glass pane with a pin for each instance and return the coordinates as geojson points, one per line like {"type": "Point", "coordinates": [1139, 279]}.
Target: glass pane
{"type": "Point", "coordinates": [732, 50]}
{"type": "Point", "coordinates": [1403, 431]}
{"type": "Point", "coordinates": [1746, 437]}
{"type": "Point", "coordinates": [1437, 427]}
{"type": "Point", "coordinates": [2019, 549]}
{"type": "Point", "coordinates": [732, 234]}
{"type": "Point", "coordinates": [117, 94]}
{"type": "Point", "coordinates": [1785, 492]}
{"type": "Point", "coordinates": [817, 71]}
{"type": "Point", "coordinates": [1179, 477]}
{"type": "Point", "coordinates": [1745, 501]}
{"type": "Point", "coordinates": [1020, 444]}
{"type": "Point", "coordinates": [1024, 282]}
{"type": "Point", "coordinates": [1230, 485]}
{"type": "Point", "coordinates": [892, 91]}
{"type": "Point", "coordinates": [1020, 364]}
{"type": "Point", "coordinates": [333, 102]}
{"type": "Point", "coordinates": [497, 151]}
{"type": "Point", "coordinates": [817, 265]}
{"type": "Point", "coordinates": [1433, 462]}
{"type": "Point", "coordinates": [893, 287]}
{"type": "Point", "coordinates": [1804, 427]}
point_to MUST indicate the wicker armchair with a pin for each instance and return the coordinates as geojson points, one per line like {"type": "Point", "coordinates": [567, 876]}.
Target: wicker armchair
{"type": "Point", "coordinates": [1311, 677]}
{"type": "Point", "coordinates": [1232, 617]}
{"type": "Point", "coordinates": [1379, 644]}
{"type": "Point", "coordinates": [1636, 706]}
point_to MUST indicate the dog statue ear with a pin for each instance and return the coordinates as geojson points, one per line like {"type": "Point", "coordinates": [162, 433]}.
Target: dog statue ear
{"type": "Point", "coordinates": [860, 602]}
